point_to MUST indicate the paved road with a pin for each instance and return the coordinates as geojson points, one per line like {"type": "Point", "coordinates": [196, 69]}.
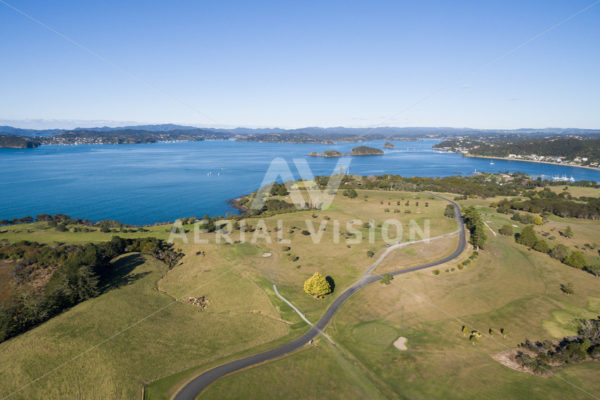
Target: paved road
{"type": "Point", "coordinates": [199, 383]}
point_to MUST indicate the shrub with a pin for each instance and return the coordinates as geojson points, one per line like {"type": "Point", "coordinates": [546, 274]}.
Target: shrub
{"type": "Point", "coordinates": [541, 246]}
{"type": "Point", "coordinates": [567, 288]}
{"type": "Point", "coordinates": [386, 279]}
{"type": "Point", "coordinates": [350, 193]}
{"type": "Point", "coordinates": [560, 252]}
{"type": "Point", "coordinates": [568, 233]}
{"type": "Point", "coordinates": [436, 271]}
{"type": "Point", "coordinates": [527, 237]}
{"type": "Point", "coordinates": [575, 259]}
{"type": "Point", "coordinates": [593, 269]}
{"type": "Point", "coordinates": [506, 230]}
{"type": "Point", "coordinates": [370, 253]}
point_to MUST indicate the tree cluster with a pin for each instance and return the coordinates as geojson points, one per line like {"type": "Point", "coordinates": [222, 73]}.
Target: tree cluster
{"type": "Point", "coordinates": [474, 224]}
{"type": "Point", "coordinates": [73, 273]}
{"type": "Point", "coordinates": [561, 204]}
{"type": "Point", "coordinates": [540, 357]}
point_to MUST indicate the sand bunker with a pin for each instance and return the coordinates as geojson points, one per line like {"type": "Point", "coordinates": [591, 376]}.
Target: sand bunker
{"type": "Point", "coordinates": [400, 343]}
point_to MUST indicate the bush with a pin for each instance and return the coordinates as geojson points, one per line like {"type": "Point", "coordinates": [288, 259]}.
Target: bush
{"type": "Point", "coordinates": [370, 253]}
{"type": "Point", "coordinates": [506, 230]}
{"type": "Point", "coordinates": [386, 279]}
{"type": "Point", "coordinates": [567, 288]}
{"type": "Point", "coordinates": [527, 237]}
{"type": "Point", "coordinates": [593, 269]}
{"type": "Point", "coordinates": [541, 246]}
{"type": "Point", "coordinates": [576, 259]}
{"type": "Point", "coordinates": [559, 252]}
{"type": "Point", "coordinates": [61, 227]}
{"type": "Point", "coordinates": [436, 271]}
{"type": "Point", "coordinates": [568, 233]}
{"type": "Point", "coordinates": [350, 193]}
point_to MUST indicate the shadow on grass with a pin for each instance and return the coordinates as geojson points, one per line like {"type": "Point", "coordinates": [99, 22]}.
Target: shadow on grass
{"type": "Point", "coordinates": [331, 282]}
{"type": "Point", "coordinates": [121, 272]}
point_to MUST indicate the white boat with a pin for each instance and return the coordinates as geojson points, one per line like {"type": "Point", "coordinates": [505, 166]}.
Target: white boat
{"type": "Point", "coordinates": [563, 178]}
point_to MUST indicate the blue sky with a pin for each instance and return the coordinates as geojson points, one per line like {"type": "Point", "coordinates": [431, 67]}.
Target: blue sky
{"type": "Point", "coordinates": [294, 64]}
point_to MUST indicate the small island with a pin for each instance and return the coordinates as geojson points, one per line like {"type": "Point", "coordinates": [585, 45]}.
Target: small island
{"type": "Point", "coordinates": [357, 151]}
{"type": "Point", "coordinates": [327, 154]}
{"type": "Point", "coordinates": [388, 145]}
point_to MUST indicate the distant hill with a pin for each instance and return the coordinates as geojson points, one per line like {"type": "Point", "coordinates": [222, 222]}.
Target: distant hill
{"type": "Point", "coordinates": [9, 130]}
{"type": "Point", "coordinates": [174, 132]}
{"type": "Point", "coordinates": [17, 142]}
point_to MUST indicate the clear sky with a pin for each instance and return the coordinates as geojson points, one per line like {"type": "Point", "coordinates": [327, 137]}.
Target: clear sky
{"type": "Point", "coordinates": [303, 63]}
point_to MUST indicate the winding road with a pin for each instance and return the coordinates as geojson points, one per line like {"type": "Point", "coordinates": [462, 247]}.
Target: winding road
{"type": "Point", "coordinates": [199, 383]}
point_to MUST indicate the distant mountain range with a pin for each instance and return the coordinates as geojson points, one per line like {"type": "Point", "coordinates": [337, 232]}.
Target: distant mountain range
{"type": "Point", "coordinates": [171, 132]}
{"type": "Point", "coordinates": [392, 131]}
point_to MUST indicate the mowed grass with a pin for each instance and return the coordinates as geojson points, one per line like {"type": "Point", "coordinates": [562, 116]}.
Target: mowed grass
{"type": "Point", "coordinates": [107, 347]}
{"type": "Point", "coordinates": [507, 287]}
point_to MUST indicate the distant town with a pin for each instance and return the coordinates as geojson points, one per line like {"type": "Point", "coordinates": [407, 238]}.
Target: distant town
{"type": "Point", "coordinates": [572, 151]}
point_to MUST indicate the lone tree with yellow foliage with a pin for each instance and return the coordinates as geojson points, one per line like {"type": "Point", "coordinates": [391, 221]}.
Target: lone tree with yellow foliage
{"type": "Point", "coordinates": [317, 285]}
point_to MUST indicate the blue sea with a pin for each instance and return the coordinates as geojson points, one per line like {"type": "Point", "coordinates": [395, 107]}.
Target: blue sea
{"type": "Point", "coordinates": [148, 183]}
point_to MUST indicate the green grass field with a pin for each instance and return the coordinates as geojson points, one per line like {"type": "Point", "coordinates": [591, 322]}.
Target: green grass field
{"type": "Point", "coordinates": [507, 287]}
{"type": "Point", "coordinates": [143, 333]}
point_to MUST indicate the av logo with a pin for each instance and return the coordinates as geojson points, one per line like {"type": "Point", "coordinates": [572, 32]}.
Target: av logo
{"type": "Point", "coordinates": [317, 198]}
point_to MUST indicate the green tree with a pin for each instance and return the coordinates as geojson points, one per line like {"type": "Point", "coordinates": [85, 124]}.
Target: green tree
{"type": "Point", "coordinates": [568, 233]}
{"type": "Point", "coordinates": [575, 259]}
{"type": "Point", "coordinates": [559, 252]}
{"type": "Point", "coordinates": [527, 237]}
{"type": "Point", "coordinates": [506, 230]}
{"type": "Point", "coordinates": [475, 225]}
{"type": "Point", "coordinates": [351, 193]}
{"type": "Point", "coordinates": [449, 211]}
{"type": "Point", "coordinates": [317, 285]}
{"type": "Point", "coordinates": [386, 279]}
{"type": "Point", "coordinates": [538, 220]}
{"type": "Point", "coordinates": [541, 246]}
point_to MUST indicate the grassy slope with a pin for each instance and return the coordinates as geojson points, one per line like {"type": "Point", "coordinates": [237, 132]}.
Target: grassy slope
{"type": "Point", "coordinates": [244, 316]}
{"type": "Point", "coordinates": [175, 338]}
{"type": "Point", "coordinates": [508, 286]}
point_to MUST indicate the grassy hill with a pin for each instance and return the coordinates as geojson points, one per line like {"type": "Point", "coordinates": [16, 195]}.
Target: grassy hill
{"type": "Point", "coordinates": [144, 333]}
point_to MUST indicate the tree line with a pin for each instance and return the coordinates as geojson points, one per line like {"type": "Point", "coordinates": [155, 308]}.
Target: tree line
{"type": "Point", "coordinates": [560, 204]}
{"type": "Point", "coordinates": [541, 357]}
{"type": "Point", "coordinates": [50, 279]}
